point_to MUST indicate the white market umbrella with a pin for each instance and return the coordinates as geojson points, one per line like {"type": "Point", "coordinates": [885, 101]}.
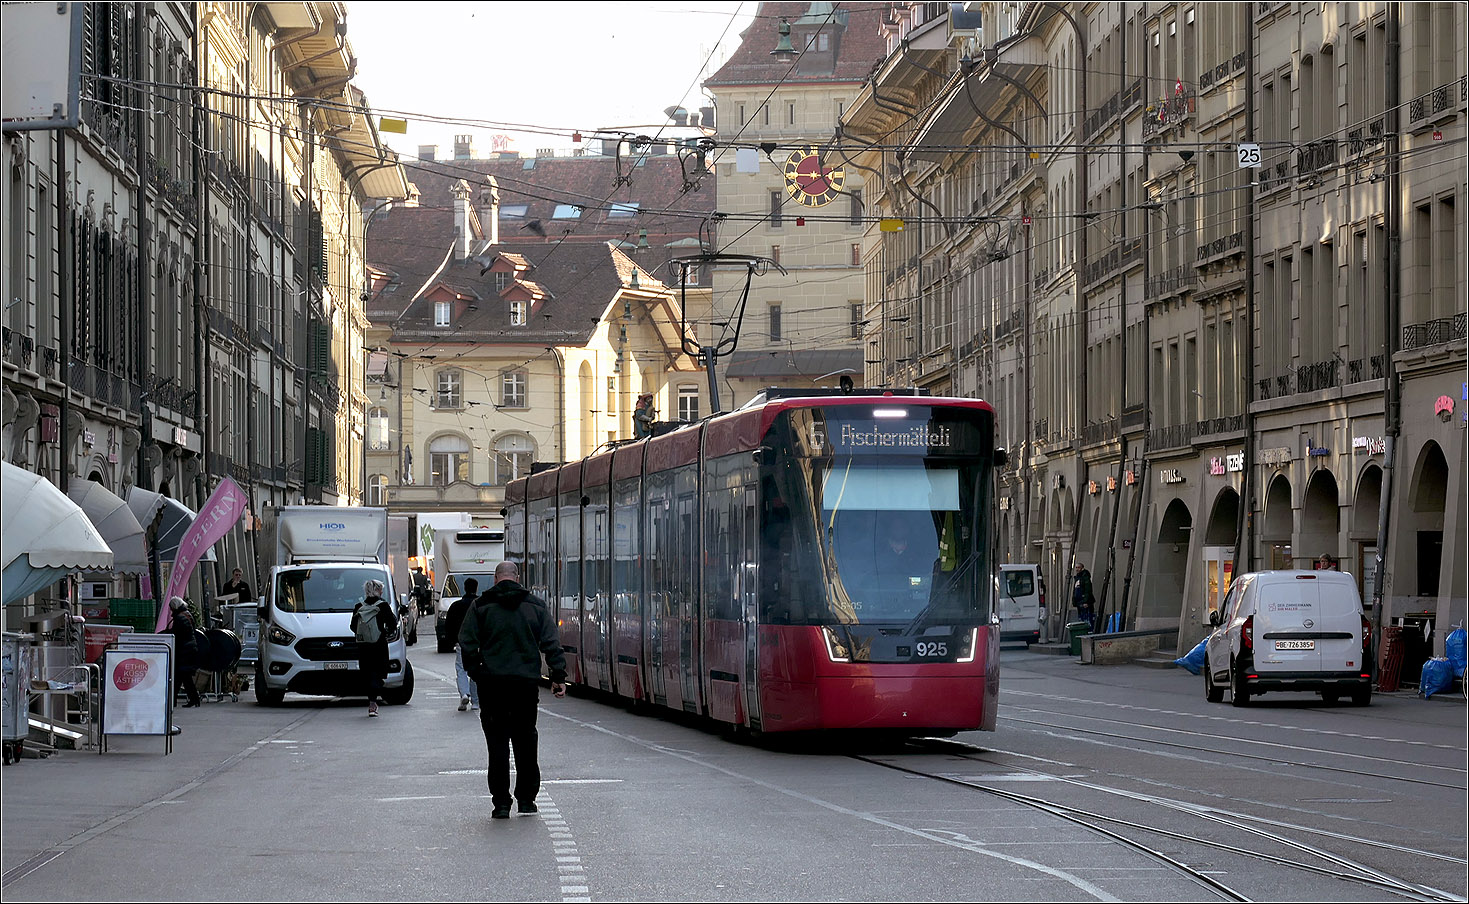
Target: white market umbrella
{"type": "Point", "coordinates": [44, 535]}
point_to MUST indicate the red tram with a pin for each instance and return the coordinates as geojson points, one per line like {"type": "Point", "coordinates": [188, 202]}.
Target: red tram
{"type": "Point", "coordinates": [804, 563]}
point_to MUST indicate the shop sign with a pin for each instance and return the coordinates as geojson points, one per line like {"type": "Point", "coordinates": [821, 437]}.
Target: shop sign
{"type": "Point", "coordinates": [1444, 407]}
{"type": "Point", "coordinates": [1131, 478]}
{"type": "Point", "coordinates": [1111, 484]}
{"type": "Point", "coordinates": [89, 437]}
{"type": "Point", "coordinates": [1170, 475]}
{"type": "Point", "coordinates": [1092, 488]}
{"type": "Point", "coordinates": [1279, 455]}
{"type": "Point", "coordinates": [1216, 466]}
{"type": "Point", "coordinates": [1316, 451]}
{"type": "Point", "coordinates": [180, 436]}
{"type": "Point", "coordinates": [1004, 503]}
{"type": "Point", "coordinates": [1369, 445]}
{"type": "Point", "coordinates": [1235, 462]}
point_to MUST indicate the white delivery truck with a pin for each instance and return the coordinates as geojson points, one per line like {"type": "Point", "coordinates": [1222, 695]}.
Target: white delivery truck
{"type": "Point", "coordinates": [322, 557]}
{"type": "Point", "coordinates": [458, 556]}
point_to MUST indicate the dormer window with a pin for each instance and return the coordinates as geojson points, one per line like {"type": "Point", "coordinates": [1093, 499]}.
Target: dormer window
{"type": "Point", "coordinates": [623, 210]}
{"type": "Point", "coordinates": [566, 212]}
{"type": "Point", "coordinates": [442, 313]}
{"type": "Point", "coordinates": [502, 280]}
{"type": "Point", "coordinates": [513, 211]}
{"type": "Point", "coordinates": [517, 313]}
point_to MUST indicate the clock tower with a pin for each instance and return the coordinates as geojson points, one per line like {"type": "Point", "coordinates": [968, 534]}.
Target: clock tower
{"type": "Point", "coordinates": [784, 183]}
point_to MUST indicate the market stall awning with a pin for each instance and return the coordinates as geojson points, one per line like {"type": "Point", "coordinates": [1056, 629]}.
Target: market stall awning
{"type": "Point", "coordinates": [44, 535]}
{"type": "Point", "coordinates": [116, 523]}
{"type": "Point", "coordinates": [173, 519]}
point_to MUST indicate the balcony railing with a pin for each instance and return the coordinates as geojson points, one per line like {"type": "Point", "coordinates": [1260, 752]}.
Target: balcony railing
{"type": "Point", "coordinates": [1357, 370]}
{"type": "Point", "coordinates": [1441, 101]}
{"type": "Point", "coordinates": [1315, 156]}
{"type": "Point", "coordinates": [1366, 136]}
{"type": "Point", "coordinates": [1168, 113]}
{"type": "Point", "coordinates": [1173, 282]}
{"type": "Point", "coordinates": [1112, 106]}
{"type": "Point", "coordinates": [1433, 332]}
{"type": "Point", "coordinates": [1318, 376]}
{"type": "Point", "coordinates": [1101, 431]}
{"type": "Point", "coordinates": [1231, 423]}
{"type": "Point", "coordinates": [1171, 437]}
{"type": "Point", "coordinates": [1235, 241]}
{"type": "Point", "coordinates": [1232, 66]}
{"type": "Point", "coordinates": [1042, 428]}
{"type": "Point", "coordinates": [1276, 387]}
{"type": "Point", "coordinates": [1100, 267]}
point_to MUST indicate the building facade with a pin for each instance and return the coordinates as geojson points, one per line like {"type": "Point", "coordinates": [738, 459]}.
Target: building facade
{"type": "Point", "coordinates": [169, 257]}
{"type": "Point", "coordinates": [1221, 319]}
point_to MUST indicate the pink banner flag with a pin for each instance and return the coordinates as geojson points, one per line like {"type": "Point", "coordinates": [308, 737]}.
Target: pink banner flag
{"type": "Point", "coordinates": [227, 505]}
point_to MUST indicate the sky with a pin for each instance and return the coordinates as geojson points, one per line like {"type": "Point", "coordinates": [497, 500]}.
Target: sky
{"type": "Point", "coordinates": [483, 68]}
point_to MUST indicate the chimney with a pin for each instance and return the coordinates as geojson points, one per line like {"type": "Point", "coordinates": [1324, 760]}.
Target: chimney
{"type": "Point", "coordinates": [463, 221]}
{"type": "Point", "coordinates": [463, 147]}
{"type": "Point", "coordinates": [428, 152]}
{"type": "Point", "coordinates": [489, 208]}
{"type": "Point", "coordinates": [706, 117]}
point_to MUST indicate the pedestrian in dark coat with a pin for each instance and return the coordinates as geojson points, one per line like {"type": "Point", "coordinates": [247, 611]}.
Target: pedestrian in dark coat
{"type": "Point", "coordinates": [1082, 597]}
{"type": "Point", "coordinates": [502, 641]}
{"type": "Point", "coordinates": [468, 690]}
{"type": "Point", "coordinates": [372, 658]}
{"type": "Point", "coordinates": [186, 647]}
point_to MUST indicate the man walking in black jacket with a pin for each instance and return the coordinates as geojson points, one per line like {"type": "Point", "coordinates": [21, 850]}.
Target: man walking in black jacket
{"type": "Point", "coordinates": [502, 640]}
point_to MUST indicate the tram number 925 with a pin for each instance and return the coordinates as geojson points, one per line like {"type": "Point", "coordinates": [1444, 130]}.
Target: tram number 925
{"type": "Point", "coordinates": [931, 648]}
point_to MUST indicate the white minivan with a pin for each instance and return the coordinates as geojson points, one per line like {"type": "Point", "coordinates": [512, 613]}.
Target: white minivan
{"type": "Point", "coordinates": [1290, 631]}
{"type": "Point", "coordinates": [1021, 604]}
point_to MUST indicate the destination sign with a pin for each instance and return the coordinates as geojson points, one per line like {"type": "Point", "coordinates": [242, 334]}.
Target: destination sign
{"type": "Point", "coordinates": [924, 435]}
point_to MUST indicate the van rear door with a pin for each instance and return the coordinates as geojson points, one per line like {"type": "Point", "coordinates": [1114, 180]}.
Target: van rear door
{"type": "Point", "coordinates": [1340, 622]}
{"type": "Point", "coordinates": [1288, 625]}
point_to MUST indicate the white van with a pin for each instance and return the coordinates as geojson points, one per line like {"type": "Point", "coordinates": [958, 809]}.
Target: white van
{"type": "Point", "coordinates": [1021, 603]}
{"type": "Point", "coordinates": [1290, 631]}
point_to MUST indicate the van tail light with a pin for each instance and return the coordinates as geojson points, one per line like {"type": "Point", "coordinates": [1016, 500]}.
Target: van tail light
{"type": "Point", "coordinates": [1043, 596]}
{"type": "Point", "coordinates": [1366, 638]}
{"type": "Point", "coordinates": [1247, 633]}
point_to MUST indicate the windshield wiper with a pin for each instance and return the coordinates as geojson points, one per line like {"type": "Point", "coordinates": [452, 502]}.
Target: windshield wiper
{"type": "Point", "coordinates": [939, 593]}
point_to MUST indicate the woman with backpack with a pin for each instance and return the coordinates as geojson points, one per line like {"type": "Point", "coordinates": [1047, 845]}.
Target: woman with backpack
{"type": "Point", "coordinates": [372, 622]}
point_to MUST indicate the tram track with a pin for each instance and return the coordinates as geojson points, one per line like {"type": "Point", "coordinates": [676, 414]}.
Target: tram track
{"type": "Point", "coordinates": [1332, 865]}
{"type": "Point", "coordinates": [1254, 756]}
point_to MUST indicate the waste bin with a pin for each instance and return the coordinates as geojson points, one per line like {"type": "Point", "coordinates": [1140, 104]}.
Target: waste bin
{"type": "Point", "coordinates": [1074, 630]}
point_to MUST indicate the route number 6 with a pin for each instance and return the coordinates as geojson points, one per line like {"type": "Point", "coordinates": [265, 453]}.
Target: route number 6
{"type": "Point", "coordinates": [1249, 156]}
{"type": "Point", "coordinates": [932, 648]}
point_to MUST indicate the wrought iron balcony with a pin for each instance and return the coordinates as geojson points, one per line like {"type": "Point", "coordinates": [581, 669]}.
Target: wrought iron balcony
{"type": "Point", "coordinates": [1433, 332]}
{"type": "Point", "coordinates": [1319, 375]}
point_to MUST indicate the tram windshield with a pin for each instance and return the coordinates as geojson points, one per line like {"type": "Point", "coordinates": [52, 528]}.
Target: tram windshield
{"type": "Point", "coordinates": [890, 519]}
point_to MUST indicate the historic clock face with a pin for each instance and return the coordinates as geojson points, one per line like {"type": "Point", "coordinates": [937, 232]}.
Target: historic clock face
{"type": "Point", "coordinates": [809, 182]}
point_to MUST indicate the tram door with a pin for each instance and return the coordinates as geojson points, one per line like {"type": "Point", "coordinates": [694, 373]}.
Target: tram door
{"type": "Point", "coordinates": [688, 597]}
{"type": "Point", "coordinates": [657, 585]}
{"type": "Point", "coordinates": [747, 587]}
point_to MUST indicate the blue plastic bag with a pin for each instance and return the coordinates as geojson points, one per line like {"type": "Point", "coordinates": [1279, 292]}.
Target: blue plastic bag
{"type": "Point", "coordinates": [1436, 678]}
{"type": "Point", "coordinates": [1454, 650]}
{"type": "Point", "coordinates": [1194, 659]}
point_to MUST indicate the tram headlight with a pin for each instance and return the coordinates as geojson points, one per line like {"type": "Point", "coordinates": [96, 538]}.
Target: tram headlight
{"type": "Point", "coordinates": [969, 647]}
{"type": "Point", "coordinates": [835, 649]}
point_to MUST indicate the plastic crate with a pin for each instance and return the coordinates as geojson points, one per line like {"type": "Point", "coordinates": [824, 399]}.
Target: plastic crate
{"type": "Point", "coordinates": [140, 625]}
{"type": "Point", "coordinates": [124, 609]}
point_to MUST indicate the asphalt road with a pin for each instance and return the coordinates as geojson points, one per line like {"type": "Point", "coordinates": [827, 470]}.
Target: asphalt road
{"type": "Point", "coordinates": [1102, 783]}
